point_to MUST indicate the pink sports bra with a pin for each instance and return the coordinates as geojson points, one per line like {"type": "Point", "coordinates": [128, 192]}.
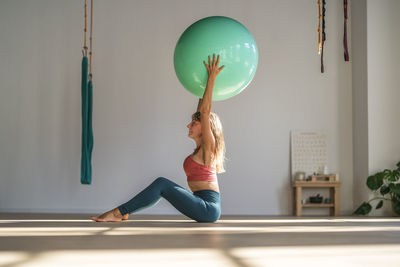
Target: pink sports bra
{"type": "Point", "coordinates": [198, 172]}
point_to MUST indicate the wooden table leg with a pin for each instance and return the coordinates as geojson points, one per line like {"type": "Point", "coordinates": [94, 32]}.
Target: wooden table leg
{"type": "Point", "coordinates": [331, 196]}
{"type": "Point", "coordinates": [337, 204]}
{"type": "Point", "coordinates": [294, 202]}
{"type": "Point", "coordinates": [298, 201]}
{"type": "Point", "coordinates": [334, 196]}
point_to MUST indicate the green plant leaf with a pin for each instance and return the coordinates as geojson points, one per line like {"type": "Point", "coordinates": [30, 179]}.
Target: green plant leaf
{"type": "Point", "coordinates": [384, 190]}
{"type": "Point", "coordinates": [375, 181]}
{"type": "Point", "coordinates": [391, 176]}
{"type": "Point", "coordinates": [364, 209]}
{"type": "Point", "coordinates": [398, 165]}
{"type": "Point", "coordinates": [386, 172]}
{"type": "Point", "coordinates": [395, 188]}
{"type": "Point", "coordinates": [396, 174]}
{"type": "Point", "coordinates": [383, 175]}
{"type": "Point", "coordinates": [396, 207]}
{"type": "Point", "coordinates": [380, 204]}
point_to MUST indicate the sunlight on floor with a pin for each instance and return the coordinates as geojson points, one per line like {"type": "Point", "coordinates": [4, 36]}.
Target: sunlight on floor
{"type": "Point", "coordinates": [85, 231]}
{"type": "Point", "coordinates": [360, 255]}
{"type": "Point", "coordinates": [164, 257]}
{"type": "Point", "coordinates": [265, 229]}
{"type": "Point", "coordinates": [51, 231]}
{"type": "Point", "coordinates": [344, 255]}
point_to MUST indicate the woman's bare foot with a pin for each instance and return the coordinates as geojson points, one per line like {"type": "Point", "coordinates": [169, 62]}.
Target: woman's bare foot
{"type": "Point", "coordinates": [110, 216]}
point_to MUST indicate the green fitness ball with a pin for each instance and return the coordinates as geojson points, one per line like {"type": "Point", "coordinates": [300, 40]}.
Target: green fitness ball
{"type": "Point", "coordinates": [221, 36]}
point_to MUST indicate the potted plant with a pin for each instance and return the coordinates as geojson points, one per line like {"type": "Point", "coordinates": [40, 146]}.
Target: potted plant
{"type": "Point", "coordinates": [387, 183]}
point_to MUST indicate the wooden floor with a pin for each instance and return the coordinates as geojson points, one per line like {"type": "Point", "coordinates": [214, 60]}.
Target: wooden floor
{"type": "Point", "coordinates": [162, 240]}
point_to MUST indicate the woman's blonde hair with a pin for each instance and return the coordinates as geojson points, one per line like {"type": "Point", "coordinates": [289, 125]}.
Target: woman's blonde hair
{"type": "Point", "coordinates": [216, 128]}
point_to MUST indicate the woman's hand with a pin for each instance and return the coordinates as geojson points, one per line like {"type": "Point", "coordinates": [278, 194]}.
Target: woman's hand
{"type": "Point", "coordinates": [212, 68]}
{"type": "Point", "coordinates": [213, 71]}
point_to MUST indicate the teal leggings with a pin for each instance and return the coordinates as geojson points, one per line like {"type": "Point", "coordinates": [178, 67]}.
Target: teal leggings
{"type": "Point", "coordinates": [201, 206]}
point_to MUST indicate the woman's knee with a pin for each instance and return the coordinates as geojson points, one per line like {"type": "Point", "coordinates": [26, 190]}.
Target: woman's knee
{"type": "Point", "coordinates": [210, 218]}
{"type": "Point", "coordinates": [162, 181]}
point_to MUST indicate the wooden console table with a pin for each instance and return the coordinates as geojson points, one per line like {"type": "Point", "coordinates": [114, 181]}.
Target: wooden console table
{"type": "Point", "coordinates": [334, 186]}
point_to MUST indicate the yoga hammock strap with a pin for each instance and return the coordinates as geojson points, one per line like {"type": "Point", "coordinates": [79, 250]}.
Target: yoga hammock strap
{"type": "Point", "coordinates": [323, 35]}
{"type": "Point", "coordinates": [319, 27]}
{"type": "Point", "coordinates": [91, 30]}
{"type": "Point", "coordinates": [346, 51]}
{"type": "Point", "coordinates": [85, 48]}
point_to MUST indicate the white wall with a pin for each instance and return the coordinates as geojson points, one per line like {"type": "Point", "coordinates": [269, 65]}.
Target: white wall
{"type": "Point", "coordinates": [141, 110]}
{"type": "Point", "coordinates": [376, 81]}
{"type": "Point", "coordinates": [383, 87]}
{"type": "Point", "coordinates": [360, 100]}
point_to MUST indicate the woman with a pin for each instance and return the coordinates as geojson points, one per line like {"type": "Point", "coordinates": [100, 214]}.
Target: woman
{"type": "Point", "coordinates": [201, 168]}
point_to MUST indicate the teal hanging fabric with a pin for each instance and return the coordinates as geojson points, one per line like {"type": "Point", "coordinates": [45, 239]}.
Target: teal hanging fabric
{"type": "Point", "coordinates": [87, 106]}
{"type": "Point", "coordinates": [90, 126]}
{"type": "Point", "coordinates": [87, 133]}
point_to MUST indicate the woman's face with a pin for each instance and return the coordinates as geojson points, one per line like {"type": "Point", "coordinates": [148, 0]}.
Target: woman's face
{"type": "Point", "coordinates": [194, 129]}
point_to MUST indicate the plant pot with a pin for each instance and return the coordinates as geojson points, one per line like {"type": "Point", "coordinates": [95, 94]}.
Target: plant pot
{"type": "Point", "coordinates": [394, 213]}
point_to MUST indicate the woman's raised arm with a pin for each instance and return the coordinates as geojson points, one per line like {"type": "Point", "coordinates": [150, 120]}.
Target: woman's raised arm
{"type": "Point", "coordinates": [199, 104]}
{"type": "Point", "coordinates": [213, 71]}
